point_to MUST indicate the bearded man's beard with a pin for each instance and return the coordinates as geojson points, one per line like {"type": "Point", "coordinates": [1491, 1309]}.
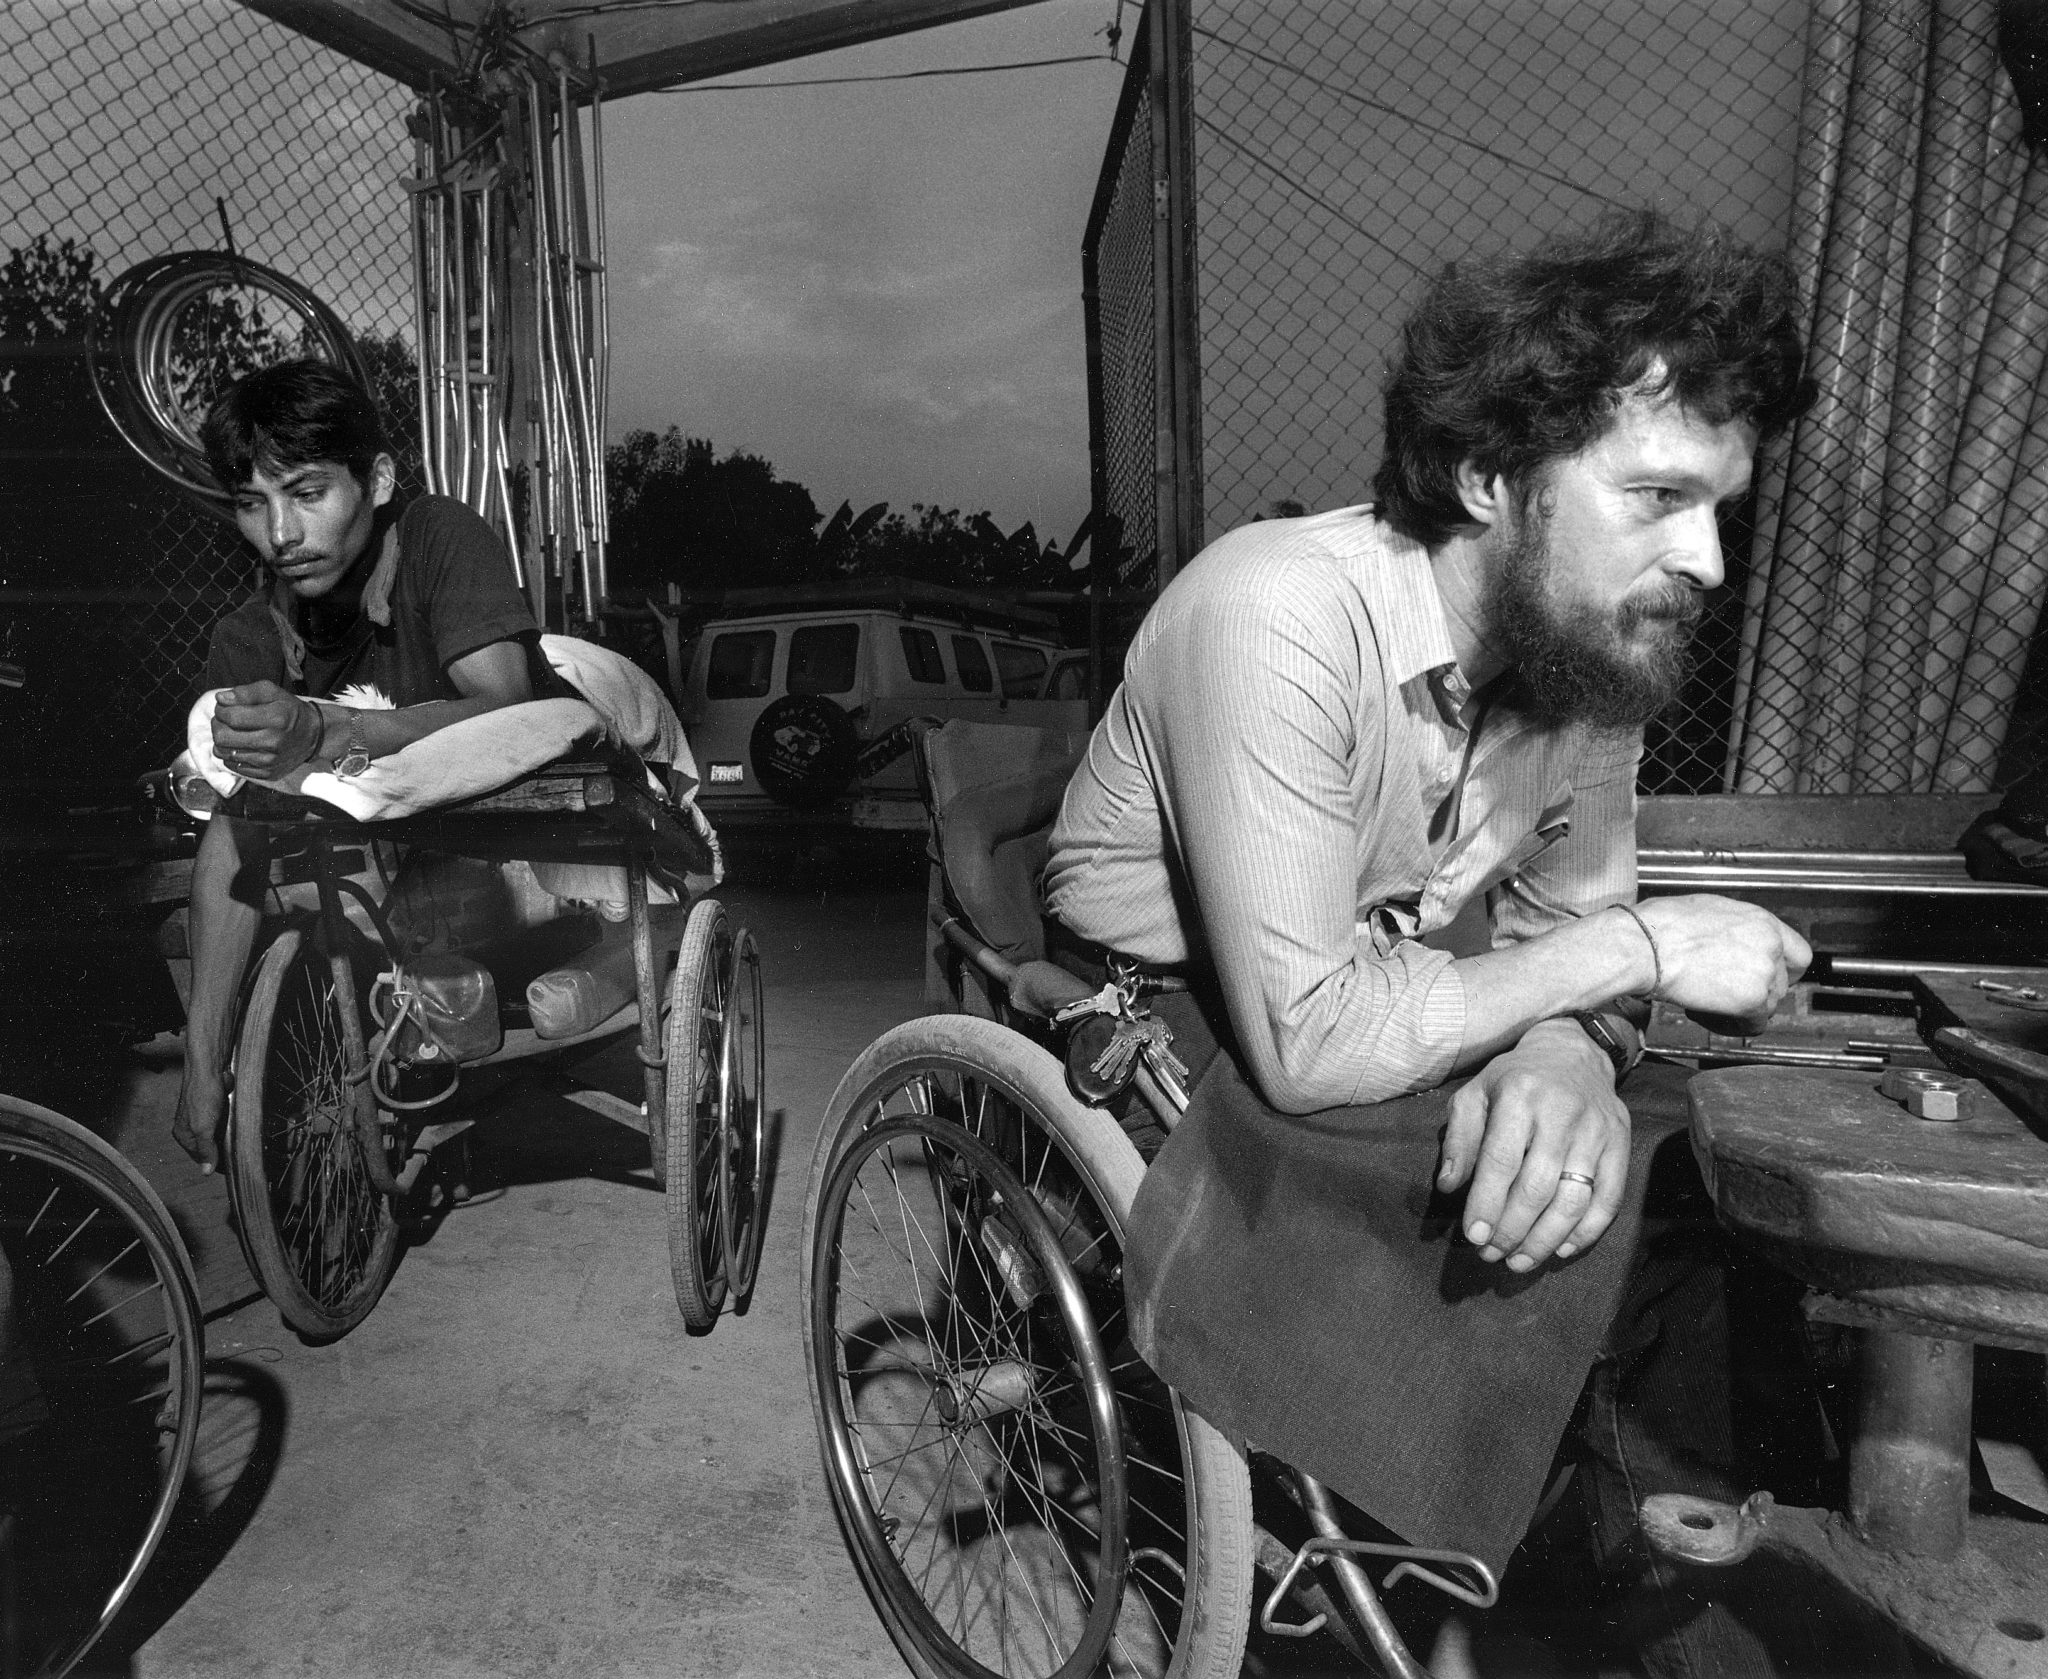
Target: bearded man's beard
{"type": "Point", "coordinates": [1580, 662]}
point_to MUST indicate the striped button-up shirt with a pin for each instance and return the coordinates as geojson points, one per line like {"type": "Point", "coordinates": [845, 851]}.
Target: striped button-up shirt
{"type": "Point", "coordinates": [1295, 784]}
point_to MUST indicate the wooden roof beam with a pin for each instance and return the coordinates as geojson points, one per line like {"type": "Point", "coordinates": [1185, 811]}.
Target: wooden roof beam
{"type": "Point", "coordinates": [641, 50]}
{"type": "Point", "coordinates": [384, 37]}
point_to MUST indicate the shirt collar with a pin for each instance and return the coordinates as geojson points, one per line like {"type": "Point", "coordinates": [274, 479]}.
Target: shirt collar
{"type": "Point", "coordinates": [1417, 641]}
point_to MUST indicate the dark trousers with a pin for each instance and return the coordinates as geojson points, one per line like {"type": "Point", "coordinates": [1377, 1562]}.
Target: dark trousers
{"type": "Point", "coordinates": [1298, 1279]}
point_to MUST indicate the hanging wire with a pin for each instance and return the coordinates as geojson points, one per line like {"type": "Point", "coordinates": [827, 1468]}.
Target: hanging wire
{"type": "Point", "coordinates": [1352, 96]}
{"type": "Point", "coordinates": [894, 75]}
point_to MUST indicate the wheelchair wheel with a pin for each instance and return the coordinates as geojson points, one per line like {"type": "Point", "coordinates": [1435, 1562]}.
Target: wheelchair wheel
{"type": "Point", "coordinates": [695, 1048]}
{"type": "Point", "coordinates": [319, 1234]}
{"type": "Point", "coordinates": [101, 1364]}
{"type": "Point", "coordinates": [742, 1121]}
{"type": "Point", "coordinates": [1020, 1495]}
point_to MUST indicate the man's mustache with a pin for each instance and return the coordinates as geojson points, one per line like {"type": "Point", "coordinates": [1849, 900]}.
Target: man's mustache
{"type": "Point", "coordinates": [1676, 605]}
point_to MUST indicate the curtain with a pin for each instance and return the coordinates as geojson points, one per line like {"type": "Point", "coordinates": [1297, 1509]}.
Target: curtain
{"type": "Point", "coordinates": [1902, 531]}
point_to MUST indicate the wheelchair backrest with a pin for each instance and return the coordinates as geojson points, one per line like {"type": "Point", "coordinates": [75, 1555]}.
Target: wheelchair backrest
{"type": "Point", "coordinates": [992, 792]}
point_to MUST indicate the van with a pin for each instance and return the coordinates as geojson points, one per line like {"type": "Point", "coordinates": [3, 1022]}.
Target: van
{"type": "Point", "coordinates": [797, 701]}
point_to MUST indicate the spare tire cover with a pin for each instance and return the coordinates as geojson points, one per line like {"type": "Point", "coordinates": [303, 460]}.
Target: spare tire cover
{"type": "Point", "coordinates": [803, 748]}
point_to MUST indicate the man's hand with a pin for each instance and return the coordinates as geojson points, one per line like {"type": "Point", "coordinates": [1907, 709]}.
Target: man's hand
{"type": "Point", "coordinates": [265, 731]}
{"type": "Point", "coordinates": [1543, 1109]}
{"type": "Point", "coordinates": [1718, 956]}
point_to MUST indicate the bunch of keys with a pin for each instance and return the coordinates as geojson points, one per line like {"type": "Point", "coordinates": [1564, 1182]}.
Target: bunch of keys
{"type": "Point", "coordinates": [1109, 1034]}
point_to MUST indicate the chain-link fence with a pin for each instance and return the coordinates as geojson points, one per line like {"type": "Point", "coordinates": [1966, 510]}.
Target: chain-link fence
{"type": "Point", "coordinates": [131, 128]}
{"type": "Point", "coordinates": [1118, 285]}
{"type": "Point", "coordinates": [1342, 152]}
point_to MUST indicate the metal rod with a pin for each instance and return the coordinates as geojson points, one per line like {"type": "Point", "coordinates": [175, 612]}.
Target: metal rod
{"type": "Point", "coordinates": [1909, 1466]}
{"type": "Point", "coordinates": [603, 287]}
{"type": "Point", "coordinates": [1795, 881]}
{"type": "Point", "coordinates": [1358, 1589]}
{"type": "Point", "coordinates": [421, 269]}
{"type": "Point", "coordinates": [1935, 862]}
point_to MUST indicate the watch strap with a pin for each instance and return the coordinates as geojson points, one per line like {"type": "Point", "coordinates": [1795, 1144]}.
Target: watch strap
{"type": "Point", "coordinates": [355, 752]}
{"type": "Point", "coordinates": [1615, 1043]}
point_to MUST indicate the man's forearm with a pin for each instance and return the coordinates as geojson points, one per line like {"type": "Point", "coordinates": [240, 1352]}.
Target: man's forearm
{"type": "Point", "coordinates": [384, 732]}
{"type": "Point", "coordinates": [1580, 965]}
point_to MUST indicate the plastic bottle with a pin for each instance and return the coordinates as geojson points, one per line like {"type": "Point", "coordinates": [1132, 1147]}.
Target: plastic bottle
{"type": "Point", "coordinates": [585, 993]}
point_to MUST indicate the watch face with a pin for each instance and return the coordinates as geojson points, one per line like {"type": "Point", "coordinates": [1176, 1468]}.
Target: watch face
{"type": "Point", "coordinates": [352, 764]}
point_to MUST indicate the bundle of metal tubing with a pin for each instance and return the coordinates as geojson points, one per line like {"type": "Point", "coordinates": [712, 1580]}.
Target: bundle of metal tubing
{"type": "Point", "coordinates": [511, 316]}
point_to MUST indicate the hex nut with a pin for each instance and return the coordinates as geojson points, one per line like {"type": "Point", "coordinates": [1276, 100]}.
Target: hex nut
{"type": "Point", "coordinates": [1926, 1094]}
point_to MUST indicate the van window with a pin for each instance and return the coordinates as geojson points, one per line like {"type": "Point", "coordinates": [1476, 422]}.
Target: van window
{"type": "Point", "coordinates": [823, 658]}
{"type": "Point", "coordinates": [1021, 668]}
{"type": "Point", "coordinates": [1069, 680]}
{"type": "Point", "coordinates": [921, 654]}
{"type": "Point", "coordinates": [741, 664]}
{"type": "Point", "coordinates": [975, 676]}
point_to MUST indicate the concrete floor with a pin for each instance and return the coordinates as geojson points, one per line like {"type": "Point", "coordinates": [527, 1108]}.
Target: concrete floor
{"type": "Point", "coordinates": [521, 1463]}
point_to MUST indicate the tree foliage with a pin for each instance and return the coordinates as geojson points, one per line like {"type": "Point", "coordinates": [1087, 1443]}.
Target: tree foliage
{"type": "Point", "coordinates": [50, 296]}
{"type": "Point", "coordinates": [681, 514]}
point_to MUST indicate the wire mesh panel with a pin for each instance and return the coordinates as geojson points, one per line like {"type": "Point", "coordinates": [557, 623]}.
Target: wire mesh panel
{"type": "Point", "coordinates": [1343, 153]}
{"type": "Point", "coordinates": [1882, 609]}
{"type": "Point", "coordinates": [126, 131]}
{"type": "Point", "coordinates": [1123, 362]}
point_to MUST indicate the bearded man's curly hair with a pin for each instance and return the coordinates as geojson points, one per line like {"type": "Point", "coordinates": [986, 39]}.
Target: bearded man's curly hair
{"type": "Point", "coordinates": [1514, 361]}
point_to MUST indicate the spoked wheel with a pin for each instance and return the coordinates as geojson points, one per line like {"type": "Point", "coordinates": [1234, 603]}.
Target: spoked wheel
{"type": "Point", "coordinates": [742, 1122]}
{"type": "Point", "coordinates": [696, 1058]}
{"type": "Point", "coordinates": [101, 1364]}
{"type": "Point", "coordinates": [1020, 1495]}
{"type": "Point", "coordinates": [319, 1234]}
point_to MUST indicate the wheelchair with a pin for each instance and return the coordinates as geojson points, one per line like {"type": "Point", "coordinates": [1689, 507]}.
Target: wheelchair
{"type": "Point", "coordinates": [1019, 1494]}
{"type": "Point", "coordinates": [102, 1361]}
{"type": "Point", "coordinates": [337, 1090]}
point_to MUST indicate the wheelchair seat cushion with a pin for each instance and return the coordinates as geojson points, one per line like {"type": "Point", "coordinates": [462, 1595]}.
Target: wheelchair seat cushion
{"type": "Point", "coordinates": [1300, 1281]}
{"type": "Point", "coordinates": [994, 792]}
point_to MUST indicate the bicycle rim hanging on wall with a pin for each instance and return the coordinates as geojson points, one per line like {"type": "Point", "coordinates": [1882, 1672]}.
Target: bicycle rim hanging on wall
{"type": "Point", "coordinates": [177, 330]}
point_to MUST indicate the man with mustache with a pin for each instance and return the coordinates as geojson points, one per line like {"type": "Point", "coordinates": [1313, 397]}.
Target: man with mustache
{"type": "Point", "coordinates": [1334, 733]}
{"type": "Point", "coordinates": [407, 610]}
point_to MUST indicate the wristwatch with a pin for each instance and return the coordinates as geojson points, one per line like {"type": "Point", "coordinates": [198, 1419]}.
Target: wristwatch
{"type": "Point", "coordinates": [1601, 1030]}
{"type": "Point", "coordinates": [355, 755]}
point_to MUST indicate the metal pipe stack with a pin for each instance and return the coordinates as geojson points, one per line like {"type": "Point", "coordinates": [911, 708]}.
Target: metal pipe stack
{"type": "Point", "coordinates": [512, 321]}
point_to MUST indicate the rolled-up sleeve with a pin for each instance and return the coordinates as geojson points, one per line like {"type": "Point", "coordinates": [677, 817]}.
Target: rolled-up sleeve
{"type": "Point", "coordinates": [1263, 763]}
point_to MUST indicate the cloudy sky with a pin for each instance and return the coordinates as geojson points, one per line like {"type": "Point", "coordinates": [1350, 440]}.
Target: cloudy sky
{"type": "Point", "coordinates": [877, 287]}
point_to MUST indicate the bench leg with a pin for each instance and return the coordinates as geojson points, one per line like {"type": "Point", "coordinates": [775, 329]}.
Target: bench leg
{"type": "Point", "coordinates": [647, 992]}
{"type": "Point", "coordinates": [1909, 1468]}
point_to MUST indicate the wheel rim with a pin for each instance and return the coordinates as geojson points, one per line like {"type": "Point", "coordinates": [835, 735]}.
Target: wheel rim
{"type": "Point", "coordinates": [100, 1371]}
{"type": "Point", "coordinates": [975, 1434]}
{"type": "Point", "coordinates": [742, 1120]}
{"type": "Point", "coordinates": [333, 1227]}
{"type": "Point", "coordinates": [707, 1131]}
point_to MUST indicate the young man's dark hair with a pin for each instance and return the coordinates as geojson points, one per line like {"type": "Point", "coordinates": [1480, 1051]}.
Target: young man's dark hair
{"type": "Point", "coordinates": [289, 415]}
{"type": "Point", "coordinates": [1514, 361]}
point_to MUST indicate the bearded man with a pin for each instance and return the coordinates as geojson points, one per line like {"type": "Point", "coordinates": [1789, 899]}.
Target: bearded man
{"type": "Point", "coordinates": [1334, 733]}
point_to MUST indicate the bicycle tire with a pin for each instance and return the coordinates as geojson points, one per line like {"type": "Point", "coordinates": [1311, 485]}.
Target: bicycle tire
{"type": "Point", "coordinates": [97, 1307]}
{"type": "Point", "coordinates": [696, 1033]}
{"type": "Point", "coordinates": [320, 1236]}
{"type": "Point", "coordinates": [1185, 1607]}
{"type": "Point", "coordinates": [742, 1121]}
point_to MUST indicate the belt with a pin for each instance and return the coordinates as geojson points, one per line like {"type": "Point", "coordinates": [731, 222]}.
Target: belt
{"type": "Point", "coordinates": [1093, 962]}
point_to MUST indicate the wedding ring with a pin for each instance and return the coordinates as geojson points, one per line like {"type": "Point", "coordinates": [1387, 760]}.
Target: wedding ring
{"type": "Point", "coordinates": [1576, 1177]}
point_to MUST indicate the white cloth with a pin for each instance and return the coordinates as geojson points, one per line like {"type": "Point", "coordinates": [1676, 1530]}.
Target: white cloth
{"type": "Point", "coordinates": [481, 754]}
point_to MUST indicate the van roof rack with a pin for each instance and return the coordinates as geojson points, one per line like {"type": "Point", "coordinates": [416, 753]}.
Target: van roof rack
{"type": "Point", "coordinates": [987, 608]}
